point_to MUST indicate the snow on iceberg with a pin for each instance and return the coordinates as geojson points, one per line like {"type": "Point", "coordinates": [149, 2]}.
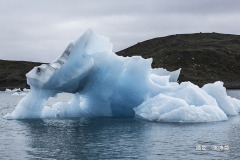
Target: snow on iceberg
{"type": "Point", "coordinates": [108, 85]}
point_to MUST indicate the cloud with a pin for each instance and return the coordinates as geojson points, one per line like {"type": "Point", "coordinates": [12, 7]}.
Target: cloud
{"type": "Point", "coordinates": [40, 30]}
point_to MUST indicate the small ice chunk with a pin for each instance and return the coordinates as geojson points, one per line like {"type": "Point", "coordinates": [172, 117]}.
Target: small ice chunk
{"type": "Point", "coordinates": [16, 90]}
{"type": "Point", "coordinates": [8, 90]}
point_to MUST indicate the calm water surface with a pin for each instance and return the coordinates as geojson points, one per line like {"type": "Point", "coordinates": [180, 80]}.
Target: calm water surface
{"type": "Point", "coordinates": [113, 138]}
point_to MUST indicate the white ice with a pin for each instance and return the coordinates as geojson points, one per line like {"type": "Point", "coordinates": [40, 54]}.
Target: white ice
{"type": "Point", "coordinates": [107, 85]}
{"type": "Point", "coordinates": [14, 90]}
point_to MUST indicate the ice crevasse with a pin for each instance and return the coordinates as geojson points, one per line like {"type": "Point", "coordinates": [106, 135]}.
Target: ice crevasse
{"type": "Point", "coordinates": [107, 85]}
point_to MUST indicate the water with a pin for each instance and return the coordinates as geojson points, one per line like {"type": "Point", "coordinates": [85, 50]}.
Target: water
{"type": "Point", "coordinates": [113, 138]}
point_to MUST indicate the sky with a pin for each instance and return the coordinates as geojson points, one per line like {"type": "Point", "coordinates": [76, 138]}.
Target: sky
{"type": "Point", "coordinates": [39, 31]}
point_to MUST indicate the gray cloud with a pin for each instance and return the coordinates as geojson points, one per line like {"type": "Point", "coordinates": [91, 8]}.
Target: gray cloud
{"type": "Point", "coordinates": [40, 30]}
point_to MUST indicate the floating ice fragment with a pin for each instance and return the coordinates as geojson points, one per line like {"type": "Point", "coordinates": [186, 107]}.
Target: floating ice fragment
{"type": "Point", "coordinates": [14, 90]}
{"type": "Point", "coordinates": [8, 90]}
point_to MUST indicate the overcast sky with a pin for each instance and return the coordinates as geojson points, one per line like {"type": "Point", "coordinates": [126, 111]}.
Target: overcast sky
{"type": "Point", "coordinates": [40, 30]}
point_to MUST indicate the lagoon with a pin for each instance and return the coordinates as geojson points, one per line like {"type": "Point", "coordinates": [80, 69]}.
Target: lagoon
{"type": "Point", "coordinates": [113, 138]}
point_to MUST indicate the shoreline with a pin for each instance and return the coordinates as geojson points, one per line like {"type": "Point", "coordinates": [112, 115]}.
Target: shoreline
{"type": "Point", "coordinates": [4, 88]}
{"type": "Point", "coordinates": [227, 85]}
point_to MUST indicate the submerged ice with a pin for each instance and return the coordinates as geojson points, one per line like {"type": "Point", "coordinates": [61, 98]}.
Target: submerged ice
{"type": "Point", "coordinates": [105, 84]}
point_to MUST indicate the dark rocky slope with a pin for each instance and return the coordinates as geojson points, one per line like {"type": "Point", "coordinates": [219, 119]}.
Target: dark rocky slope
{"type": "Point", "coordinates": [12, 74]}
{"type": "Point", "coordinates": [203, 57]}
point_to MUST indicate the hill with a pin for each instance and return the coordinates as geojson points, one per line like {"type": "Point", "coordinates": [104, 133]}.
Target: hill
{"type": "Point", "coordinates": [203, 57]}
{"type": "Point", "coordinates": [12, 73]}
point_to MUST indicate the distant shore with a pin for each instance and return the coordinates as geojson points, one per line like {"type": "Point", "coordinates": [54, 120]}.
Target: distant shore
{"type": "Point", "coordinates": [4, 88]}
{"type": "Point", "coordinates": [227, 86]}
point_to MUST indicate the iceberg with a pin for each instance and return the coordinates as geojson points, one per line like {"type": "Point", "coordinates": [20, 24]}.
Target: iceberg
{"type": "Point", "coordinates": [107, 85]}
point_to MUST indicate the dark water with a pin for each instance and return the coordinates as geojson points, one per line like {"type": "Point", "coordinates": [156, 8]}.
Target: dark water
{"type": "Point", "coordinates": [114, 138]}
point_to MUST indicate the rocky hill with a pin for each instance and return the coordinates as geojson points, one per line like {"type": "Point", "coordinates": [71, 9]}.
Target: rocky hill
{"type": "Point", "coordinates": [12, 74]}
{"type": "Point", "coordinates": [203, 57]}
